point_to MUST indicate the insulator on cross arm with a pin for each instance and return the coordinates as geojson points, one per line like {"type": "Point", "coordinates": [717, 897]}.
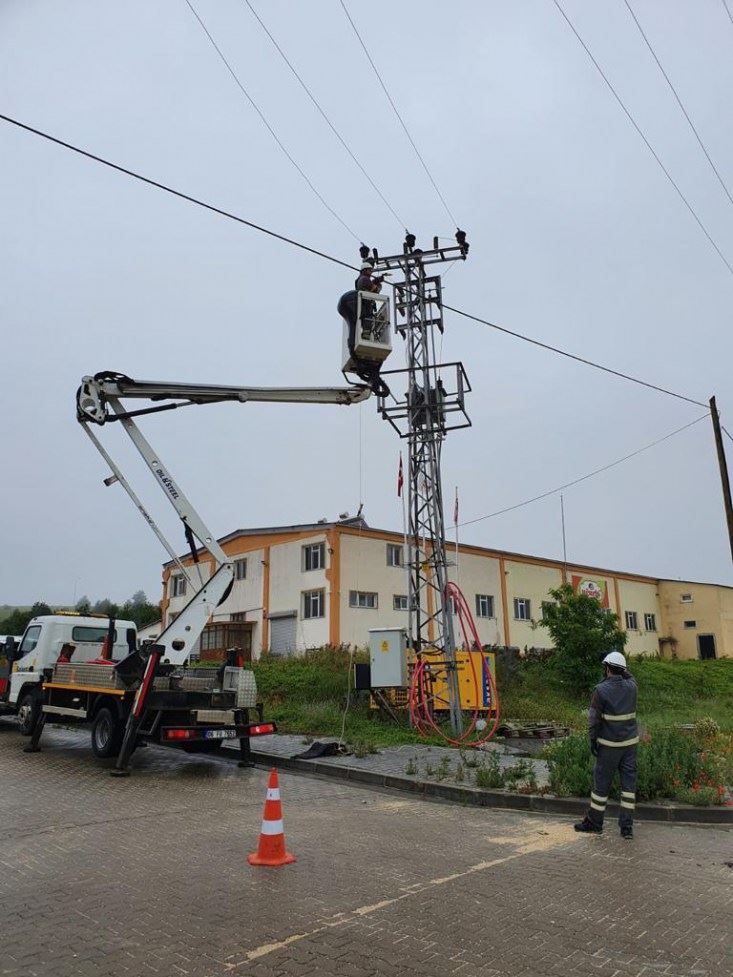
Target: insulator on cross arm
{"type": "Point", "coordinates": [364, 252]}
{"type": "Point", "coordinates": [410, 240]}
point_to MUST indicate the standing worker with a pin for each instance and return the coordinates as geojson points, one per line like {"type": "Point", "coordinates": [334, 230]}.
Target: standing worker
{"type": "Point", "coordinates": [613, 740]}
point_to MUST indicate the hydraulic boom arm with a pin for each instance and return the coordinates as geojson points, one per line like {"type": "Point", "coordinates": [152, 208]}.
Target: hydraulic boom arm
{"type": "Point", "coordinates": [99, 402]}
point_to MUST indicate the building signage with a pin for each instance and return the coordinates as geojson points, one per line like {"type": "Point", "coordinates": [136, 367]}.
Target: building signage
{"type": "Point", "coordinates": [592, 587]}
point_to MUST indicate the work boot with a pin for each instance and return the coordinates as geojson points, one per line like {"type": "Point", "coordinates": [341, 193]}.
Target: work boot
{"type": "Point", "coordinates": [587, 826]}
{"type": "Point", "coordinates": [627, 832]}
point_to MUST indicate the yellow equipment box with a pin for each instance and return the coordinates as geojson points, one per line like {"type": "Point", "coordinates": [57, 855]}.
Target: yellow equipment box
{"type": "Point", "coordinates": [475, 693]}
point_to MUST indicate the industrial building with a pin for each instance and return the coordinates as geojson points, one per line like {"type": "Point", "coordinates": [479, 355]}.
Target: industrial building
{"type": "Point", "coordinates": [303, 586]}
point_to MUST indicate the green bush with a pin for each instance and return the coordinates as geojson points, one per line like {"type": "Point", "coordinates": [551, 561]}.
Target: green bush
{"type": "Point", "coordinates": [490, 775]}
{"type": "Point", "coordinates": [669, 765]}
{"type": "Point", "coordinates": [700, 796]}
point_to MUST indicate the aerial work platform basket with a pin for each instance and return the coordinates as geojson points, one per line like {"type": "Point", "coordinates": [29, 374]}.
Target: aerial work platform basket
{"type": "Point", "coordinates": [372, 334]}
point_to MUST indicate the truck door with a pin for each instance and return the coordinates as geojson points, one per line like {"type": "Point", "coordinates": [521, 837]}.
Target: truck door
{"type": "Point", "coordinates": [24, 668]}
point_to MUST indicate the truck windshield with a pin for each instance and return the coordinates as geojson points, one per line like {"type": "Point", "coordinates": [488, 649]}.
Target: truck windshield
{"type": "Point", "coordinates": [90, 635]}
{"type": "Point", "coordinates": [30, 640]}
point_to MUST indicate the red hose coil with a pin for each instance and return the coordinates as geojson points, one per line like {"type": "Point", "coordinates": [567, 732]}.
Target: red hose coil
{"type": "Point", "coordinates": [419, 705]}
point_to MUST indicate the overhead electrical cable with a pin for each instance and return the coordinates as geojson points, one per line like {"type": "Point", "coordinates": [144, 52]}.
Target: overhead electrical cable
{"type": "Point", "coordinates": [691, 124]}
{"type": "Point", "coordinates": [322, 254]}
{"type": "Point", "coordinates": [583, 478]}
{"type": "Point", "coordinates": [397, 113]}
{"type": "Point", "coordinates": [270, 129]}
{"type": "Point", "coordinates": [727, 10]}
{"type": "Point", "coordinates": [573, 356]}
{"type": "Point", "coordinates": [330, 124]}
{"type": "Point", "coordinates": [648, 145]}
{"type": "Point", "coordinates": [175, 193]}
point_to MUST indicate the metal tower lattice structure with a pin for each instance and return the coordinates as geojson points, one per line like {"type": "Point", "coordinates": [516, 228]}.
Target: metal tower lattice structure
{"type": "Point", "coordinates": [432, 405]}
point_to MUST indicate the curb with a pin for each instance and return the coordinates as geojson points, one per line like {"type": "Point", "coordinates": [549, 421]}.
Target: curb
{"type": "Point", "coordinates": [477, 797]}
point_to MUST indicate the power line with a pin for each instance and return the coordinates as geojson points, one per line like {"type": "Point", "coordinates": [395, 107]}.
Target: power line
{"type": "Point", "coordinates": [573, 356]}
{"type": "Point", "coordinates": [396, 112]}
{"type": "Point", "coordinates": [721, 181]}
{"type": "Point", "coordinates": [317, 104]}
{"type": "Point", "coordinates": [174, 193]}
{"type": "Point", "coordinates": [648, 145]}
{"type": "Point", "coordinates": [322, 254]}
{"type": "Point", "coordinates": [262, 116]}
{"type": "Point", "coordinates": [727, 10]}
{"type": "Point", "coordinates": [583, 478]}
{"type": "Point", "coordinates": [727, 432]}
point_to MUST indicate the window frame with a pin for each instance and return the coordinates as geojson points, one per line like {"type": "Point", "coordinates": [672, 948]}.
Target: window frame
{"type": "Point", "coordinates": [178, 580]}
{"type": "Point", "coordinates": [628, 615]}
{"type": "Point", "coordinates": [690, 625]}
{"type": "Point", "coordinates": [354, 603]}
{"type": "Point", "coordinates": [527, 603]}
{"type": "Point", "coordinates": [240, 561]}
{"type": "Point", "coordinates": [490, 599]}
{"type": "Point", "coordinates": [686, 599]}
{"type": "Point", "coordinates": [101, 631]}
{"type": "Point", "coordinates": [399, 550]}
{"type": "Point", "coordinates": [307, 598]}
{"type": "Point", "coordinates": [306, 552]}
{"type": "Point", "coordinates": [648, 616]}
{"type": "Point", "coordinates": [37, 628]}
{"type": "Point", "coordinates": [400, 597]}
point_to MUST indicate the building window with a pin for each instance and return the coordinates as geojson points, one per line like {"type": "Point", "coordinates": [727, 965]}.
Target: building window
{"type": "Point", "coordinates": [399, 602]}
{"type": "Point", "coordinates": [394, 555]}
{"type": "Point", "coordinates": [238, 616]}
{"type": "Point", "coordinates": [178, 586]}
{"type": "Point", "coordinates": [240, 569]}
{"type": "Point", "coordinates": [314, 556]}
{"type": "Point", "coordinates": [650, 622]}
{"type": "Point", "coordinates": [632, 621]}
{"type": "Point", "coordinates": [522, 609]}
{"type": "Point", "coordinates": [314, 604]}
{"type": "Point", "coordinates": [362, 598]}
{"type": "Point", "coordinates": [171, 617]}
{"type": "Point", "coordinates": [690, 624]}
{"type": "Point", "coordinates": [686, 598]}
{"type": "Point", "coordinates": [484, 605]}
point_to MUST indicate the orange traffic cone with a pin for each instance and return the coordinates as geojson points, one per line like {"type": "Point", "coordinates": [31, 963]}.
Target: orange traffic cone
{"type": "Point", "coordinates": [271, 847]}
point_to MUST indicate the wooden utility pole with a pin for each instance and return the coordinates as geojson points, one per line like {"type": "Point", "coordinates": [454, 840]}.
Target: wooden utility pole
{"type": "Point", "coordinates": [725, 481]}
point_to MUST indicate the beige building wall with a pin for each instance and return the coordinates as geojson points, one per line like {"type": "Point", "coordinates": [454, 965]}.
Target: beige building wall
{"type": "Point", "coordinates": [692, 610]}
{"type": "Point", "coordinates": [641, 599]}
{"type": "Point", "coordinates": [528, 581]}
{"type": "Point", "coordinates": [356, 560]}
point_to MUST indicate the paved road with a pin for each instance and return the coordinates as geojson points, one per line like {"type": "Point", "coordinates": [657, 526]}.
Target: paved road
{"type": "Point", "coordinates": [149, 876]}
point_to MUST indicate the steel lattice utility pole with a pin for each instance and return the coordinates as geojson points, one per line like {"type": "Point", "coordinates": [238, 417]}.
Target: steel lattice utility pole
{"type": "Point", "coordinates": [432, 405]}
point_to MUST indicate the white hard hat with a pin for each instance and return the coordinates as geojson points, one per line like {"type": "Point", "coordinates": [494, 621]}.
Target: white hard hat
{"type": "Point", "coordinates": [367, 266]}
{"type": "Point", "coordinates": [615, 658]}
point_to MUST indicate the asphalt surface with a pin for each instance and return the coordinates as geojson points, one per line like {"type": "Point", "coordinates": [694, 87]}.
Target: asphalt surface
{"type": "Point", "coordinates": [148, 875]}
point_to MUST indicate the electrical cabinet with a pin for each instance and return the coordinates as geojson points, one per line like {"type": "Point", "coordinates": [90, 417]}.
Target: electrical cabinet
{"type": "Point", "coordinates": [388, 657]}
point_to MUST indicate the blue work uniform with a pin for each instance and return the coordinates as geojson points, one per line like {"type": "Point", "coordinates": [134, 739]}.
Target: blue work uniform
{"type": "Point", "coordinates": [614, 736]}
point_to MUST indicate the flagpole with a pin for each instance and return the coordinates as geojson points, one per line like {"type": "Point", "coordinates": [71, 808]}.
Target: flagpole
{"type": "Point", "coordinates": [455, 520]}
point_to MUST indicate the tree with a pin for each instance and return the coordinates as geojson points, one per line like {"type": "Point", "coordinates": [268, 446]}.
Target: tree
{"type": "Point", "coordinates": [105, 606]}
{"type": "Point", "coordinates": [582, 633]}
{"type": "Point", "coordinates": [83, 605]}
{"type": "Point", "coordinates": [138, 598]}
{"type": "Point", "coordinates": [16, 622]}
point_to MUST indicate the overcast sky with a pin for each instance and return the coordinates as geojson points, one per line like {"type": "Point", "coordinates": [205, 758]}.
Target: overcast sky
{"type": "Point", "coordinates": [576, 238]}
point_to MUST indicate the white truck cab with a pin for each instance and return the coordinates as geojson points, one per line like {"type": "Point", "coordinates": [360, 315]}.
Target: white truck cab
{"type": "Point", "coordinates": [21, 666]}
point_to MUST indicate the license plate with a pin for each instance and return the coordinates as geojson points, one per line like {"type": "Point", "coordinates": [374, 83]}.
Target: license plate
{"type": "Point", "coordinates": [220, 734]}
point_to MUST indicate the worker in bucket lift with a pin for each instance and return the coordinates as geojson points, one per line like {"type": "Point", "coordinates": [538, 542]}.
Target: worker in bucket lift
{"type": "Point", "coordinates": [347, 309]}
{"type": "Point", "coordinates": [613, 739]}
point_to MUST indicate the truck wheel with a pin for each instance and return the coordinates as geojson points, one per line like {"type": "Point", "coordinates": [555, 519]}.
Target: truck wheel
{"type": "Point", "coordinates": [107, 732]}
{"type": "Point", "coordinates": [29, 709]}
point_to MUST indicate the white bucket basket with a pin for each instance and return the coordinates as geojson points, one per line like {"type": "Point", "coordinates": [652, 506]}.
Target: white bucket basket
{"type": "Point", "coordinates": [373, 334]}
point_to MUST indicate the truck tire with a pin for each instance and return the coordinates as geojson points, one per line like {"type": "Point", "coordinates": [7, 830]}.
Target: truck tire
{"type": "Point", "coordinates": [29, 709]}
{"type": "Point", "coordinates": [107, 733]}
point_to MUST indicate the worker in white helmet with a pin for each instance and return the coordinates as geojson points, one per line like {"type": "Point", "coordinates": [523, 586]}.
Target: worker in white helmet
{"type": "Point", "coordinates": [613, 740]}
{"type": "Point", "coordinates": [347, 309]}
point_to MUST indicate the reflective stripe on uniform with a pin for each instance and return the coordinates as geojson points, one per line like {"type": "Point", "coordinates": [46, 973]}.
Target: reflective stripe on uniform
{"type": "Point", "coordinates": [632, 742]}
{"type": "Point", "coordinates": [618, 719]}
{"type": "Point", "coordinates": [628, 804]}
{"type": "Point", "coordinates": [629, 795]}
{"type": "Point", "coordinates": [597, 807]}
{"type": "Point", "coordinates": [598, 799]}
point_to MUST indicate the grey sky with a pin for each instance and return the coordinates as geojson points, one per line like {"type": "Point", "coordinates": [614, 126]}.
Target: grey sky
{"type": "Point", "coordinates": [576, 238]}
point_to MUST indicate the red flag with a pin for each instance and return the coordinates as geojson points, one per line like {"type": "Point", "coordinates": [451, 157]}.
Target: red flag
{"type": "Point", "coordinates": [455, 509]}
{"type": "Point", "coordinates": [400, 479]}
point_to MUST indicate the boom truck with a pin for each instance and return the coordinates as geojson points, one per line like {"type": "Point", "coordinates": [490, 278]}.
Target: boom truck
{"type": "Point", "coordinates": [148, 693]}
